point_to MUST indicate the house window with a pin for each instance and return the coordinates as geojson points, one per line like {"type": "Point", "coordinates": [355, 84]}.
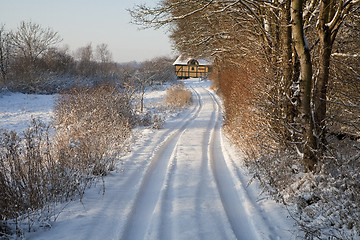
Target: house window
{"type": "Point", "coordinates": [193, 62]}
{"type": "Point", "coordinates": [192, 68]}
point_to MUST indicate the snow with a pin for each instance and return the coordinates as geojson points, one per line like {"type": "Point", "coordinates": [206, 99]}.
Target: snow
{"type": "Point", "coordinates": [184, 181]}
{"type": "Point", "coordinates": [17, 109]}
{"type": "Point", "coordinates": [181, 60]}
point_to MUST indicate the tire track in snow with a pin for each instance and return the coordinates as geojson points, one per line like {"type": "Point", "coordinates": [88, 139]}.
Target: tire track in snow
{"type": "Point", "coordinates": [190, 205]}
{"type": "Point", "coordinates": [232, 202]}
{"type": "Point", "coordinates": [132, 181]}
{"type": "Point", "coordinates": [177, 189]}
{"type": "Point", "coordinates": [152, 183]}
{"type": "Point", "coordinates": [271, 231]}
{"type": "Point", "coordinates": [205, 174]}
{"type": "Point", "coordinates": [134, 177]}
{"type": "Point", "coordinates": [165, 203]}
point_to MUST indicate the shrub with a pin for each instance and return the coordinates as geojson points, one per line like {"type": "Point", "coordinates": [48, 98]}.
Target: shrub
{"type": "Point", "coordinates": [178, 96]}
{"type": "Point", "coordinates": [31, 178]}
{"type": "Point", "coordinates": [92, 125]}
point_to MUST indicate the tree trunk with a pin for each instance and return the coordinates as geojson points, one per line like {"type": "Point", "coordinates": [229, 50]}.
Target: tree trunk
{"type": "Point", "coordinates": [287, 66]}
{"type": "Point", "coordinates": [321, 84]}
{"type": "Point", "coordinates": [3, 58]}
{"type": "Point", "coordinates": [142, 98]}
{"type": "Point", "coordinates": [303, 51]}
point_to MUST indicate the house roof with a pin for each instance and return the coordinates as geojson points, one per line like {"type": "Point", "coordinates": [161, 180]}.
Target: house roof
{"type": "Point", "coordinates": [181, 60]}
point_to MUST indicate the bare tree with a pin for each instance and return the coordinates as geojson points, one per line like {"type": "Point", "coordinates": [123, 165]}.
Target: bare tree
{"type": "Point", "coordinates": [146, 74]}
{"type": "Point", "coordinates": [313, 87]}
{"type": "Point", "coordinates": [103, 56]}
{"type": "Point", "coordinates": [85, 54]}
{"type": "Point", "coordinates": [31, 40]}
{"type": "Point", "coordinates": [144, 77]}
{"type": "Point", "coordinates": [103, 53]}
{"type": "Point", "coordinates": [58, 60]}
{"type": "Point", "coordinates": [5, 51]}
{"type": "Point", "coordinates": [331, 17]}
{"type": "Point", "coordinates": [85, 58]}
{"type": "Point", "coordinates": [306, 74]}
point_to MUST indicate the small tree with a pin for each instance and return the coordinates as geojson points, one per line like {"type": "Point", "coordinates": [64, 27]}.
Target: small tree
{"type": "Point", "coordinates": [104, 60]}
{"type": "Point", "coordinates": [103, 53]}
{"type": "Point", "coordinates": [157, 70]}
{"type": "Point", "coordinates": [144, 77]}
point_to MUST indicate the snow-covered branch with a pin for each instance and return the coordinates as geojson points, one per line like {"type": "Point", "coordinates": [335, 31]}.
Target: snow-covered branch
{"type": "Point", "coordinates": [345, 55]}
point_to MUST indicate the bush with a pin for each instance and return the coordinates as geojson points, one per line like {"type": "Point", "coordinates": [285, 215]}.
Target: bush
{"type": "Point", "coordinates": [31, 178]}
{"type": "Point", "coordinates": [92, 125]}
{"type": "Point", "coordinates": [178, 96]}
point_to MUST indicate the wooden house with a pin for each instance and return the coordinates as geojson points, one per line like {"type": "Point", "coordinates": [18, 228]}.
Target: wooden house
{"type": "Point", "coordinates": [191, 67]}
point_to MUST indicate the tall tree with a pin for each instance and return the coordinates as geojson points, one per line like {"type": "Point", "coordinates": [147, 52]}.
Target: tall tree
{"type": "Point", "coordinates": [331, 17]}
{"type": "Point", "coordinates": [306, 74]}
{"type": "Point", "coordinates": [85, 57]}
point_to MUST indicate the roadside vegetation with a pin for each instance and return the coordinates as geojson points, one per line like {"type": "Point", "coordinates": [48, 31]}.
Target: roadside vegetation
{"type": "Point", "coordinates": [288, 73]}
{"type": "Point", "coordinates": [48, 165]}
{"type": "Point", "coordinates": [92, 126]}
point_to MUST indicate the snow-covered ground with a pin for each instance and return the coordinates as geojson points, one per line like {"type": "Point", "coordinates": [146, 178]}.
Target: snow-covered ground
{"type": "Point", "coordinates": [184, 181]}
{"type": "Point", "coordinates": [17, 110]}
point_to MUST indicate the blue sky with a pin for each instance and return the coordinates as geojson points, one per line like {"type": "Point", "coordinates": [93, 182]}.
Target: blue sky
{"type": "Point", "coordinates": [80, 22]}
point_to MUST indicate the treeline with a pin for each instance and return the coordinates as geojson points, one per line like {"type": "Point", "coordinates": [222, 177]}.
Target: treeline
{"type": "Point", "coordinates": [32, 62]}
{"type": "Point", "coordinates": [288, 72]}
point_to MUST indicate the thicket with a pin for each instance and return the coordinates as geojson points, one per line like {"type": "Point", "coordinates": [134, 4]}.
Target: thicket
{"type": "Point", "coordinates": [257, 119]}
{"type": "Point", "coordinates": [32, 180]}
{"type": "Point", "coordinates": [288, 72]}
{"type": "Point", "coordinates": [326, 202]}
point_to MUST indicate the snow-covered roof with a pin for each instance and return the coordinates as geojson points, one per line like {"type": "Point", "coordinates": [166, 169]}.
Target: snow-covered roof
{"type": "Point", "coordinates": [181, 60]}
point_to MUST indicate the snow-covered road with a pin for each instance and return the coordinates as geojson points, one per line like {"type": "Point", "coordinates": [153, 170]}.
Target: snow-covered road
{"type": "Point", "coordinates": [181, 182]}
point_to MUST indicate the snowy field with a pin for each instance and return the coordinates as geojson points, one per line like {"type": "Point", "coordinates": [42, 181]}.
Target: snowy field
{"type": "Point", "coordinates": [17, 110]}
{"type": "Point", "coordinates": [183, 181]}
